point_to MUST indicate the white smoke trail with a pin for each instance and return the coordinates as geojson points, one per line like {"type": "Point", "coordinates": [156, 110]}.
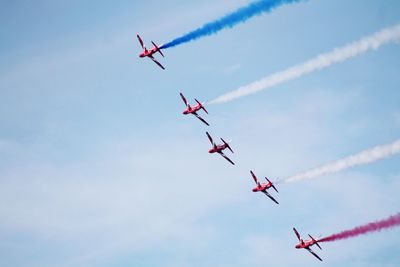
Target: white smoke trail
{"type": "Point", "coordinates": [364, 157]}
{"type": "Point", "coordinates": [374, 41]}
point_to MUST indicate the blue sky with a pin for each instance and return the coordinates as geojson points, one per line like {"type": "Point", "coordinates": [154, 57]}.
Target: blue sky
{"type": "Point", "coordinates": [98, 167]}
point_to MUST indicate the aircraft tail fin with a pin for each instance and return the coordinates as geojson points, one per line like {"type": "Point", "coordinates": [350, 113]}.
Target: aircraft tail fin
{"type": "Point", "coordinates": [316, 242]}
{"type": "Point", "coordinates": [201, 105]}
{"type": "Point", "coordinates": [158, 48]}
{"type": "Point", "coordinates": [227, 145]}
{"type": "Point", "coordinates": [272, 185]}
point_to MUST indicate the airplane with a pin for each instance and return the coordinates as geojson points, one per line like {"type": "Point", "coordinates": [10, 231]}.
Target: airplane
{"type": "Point", "coordinates": [263, 187]}
{"type": "Point", "coordinates": [307, 244]}
{"type": "Point", "coordinates": [219, 148]}
{"type": "Point", "coordinates": [150, 52]}
{"type": "Point", "coordinates": [193, 110]}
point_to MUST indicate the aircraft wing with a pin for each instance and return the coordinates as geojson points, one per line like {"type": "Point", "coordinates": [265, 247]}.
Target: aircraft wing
{"type": "Point", "coordinates": [200, 118]}
{"type": "Point", "coordinates": [228, 159]}
{"type": "Point", "coordinates": [210, 138]}
{"type": "Point", "coordinates": [268, 195]}
{"type": "Point", "coordinates": [297, 234]}
{"type": "Point", "coordinates": [312, 252]}
{"type": "Point", "coordinates": [141, 42]}
{"type": "Point", "coordinates": [158, 63]}
{"type": "Point", "coordinates": [254, 177]}
{"type": "Point", "coordinates": [184, 99]}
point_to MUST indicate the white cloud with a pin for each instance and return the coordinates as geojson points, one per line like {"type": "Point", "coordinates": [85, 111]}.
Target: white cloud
{"type": "Point", "coordinates": [140, 195]}
{"type": "Point", "coordinates": [232, 69]}
{"type": "Point", "coordinates": [123, 200]}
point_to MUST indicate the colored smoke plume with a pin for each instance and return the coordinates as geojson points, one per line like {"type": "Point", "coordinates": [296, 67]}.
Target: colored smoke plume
{"type": "Point", "coordinates": [390, 222]}
{"type": "Point", "coordinates": [229, 21]}
{"type": "Point", "coordinates": [364, 157]}
{"type": "Point", "coordinates": [322, 61]}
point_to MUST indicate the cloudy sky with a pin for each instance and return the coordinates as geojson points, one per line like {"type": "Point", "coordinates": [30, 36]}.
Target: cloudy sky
{"type": "Point", "coordinates": [98, 166]}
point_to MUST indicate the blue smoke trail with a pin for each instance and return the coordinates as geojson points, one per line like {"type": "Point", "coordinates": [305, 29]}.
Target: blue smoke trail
{"type": "Point", "coordinates": [230, 20]}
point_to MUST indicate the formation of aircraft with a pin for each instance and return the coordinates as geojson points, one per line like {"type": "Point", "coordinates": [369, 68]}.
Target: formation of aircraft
{"type": "Point", "coordinates": [262, 187]}
{"type": "Point", "coordinates": [306, 244]}
{"type": "Point", "coordinates": [150, 52]}
{"type": "Point", "coordinates": [219, 148]}
{"type": "Point", "coordinates": [193, 109]}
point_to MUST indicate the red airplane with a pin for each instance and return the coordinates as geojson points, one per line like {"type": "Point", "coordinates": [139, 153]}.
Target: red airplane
{"type": "Point", "coordinates": [307, 244]}
{"type": "Point", "coordinates": [219, 148]}
{"type": "Point", "coordinates": [263, 187]}
{"type": "Point", "coordinates": [150, 52]}
{"type": "Point", "coordinates": [193, 110]}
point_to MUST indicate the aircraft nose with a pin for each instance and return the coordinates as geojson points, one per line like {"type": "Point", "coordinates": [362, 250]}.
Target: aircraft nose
{"type": "Point", "coordinates": [254, 190]}
{"type": "Point", "coordinates": [185, 112]}
{"type": "Point", "coordinates": [297, 246]}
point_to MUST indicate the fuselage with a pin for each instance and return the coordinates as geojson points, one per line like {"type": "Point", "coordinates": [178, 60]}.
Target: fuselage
{"type": "Point", "coordinates": [305, 244]}
{"type": "Point", "coordinates": [148, 52]}
{"type": "Point", "coordinates": [262, 187]}
{"type": "Point", "coordinates": [191, 109]}
{"type": "Point", "coordinates": [217, 148]}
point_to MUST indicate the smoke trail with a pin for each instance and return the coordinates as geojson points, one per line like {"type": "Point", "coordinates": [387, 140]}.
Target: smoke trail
{"type": "Point", "coordinates": [364, 157]}
{"type": "Point", "coordinates": [337, 55]}
{"type": "Point", "coordinates": [230, 20]}
{"type": "Point", "coordinates": [390, 222]}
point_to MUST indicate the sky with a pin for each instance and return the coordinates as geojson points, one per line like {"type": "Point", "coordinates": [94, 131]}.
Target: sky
{"type": "Point", "coordinates": [98, 166]}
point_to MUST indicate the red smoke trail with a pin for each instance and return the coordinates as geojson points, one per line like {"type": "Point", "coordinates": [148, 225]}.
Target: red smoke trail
{"type": "Point", "coordinates": [392, 221]}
